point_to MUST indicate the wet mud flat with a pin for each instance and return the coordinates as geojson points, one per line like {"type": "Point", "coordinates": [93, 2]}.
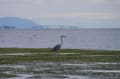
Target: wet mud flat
{"type": "Point", "coordinates": [60, 70]}
{"type": "Point", "coordinates": [65, 64]}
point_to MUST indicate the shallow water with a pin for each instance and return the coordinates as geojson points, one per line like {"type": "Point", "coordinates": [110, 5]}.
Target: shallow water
{"type": "Point", "coordinates": [62, 70]}
{"type": "Point", "coordinates": [13, 54]}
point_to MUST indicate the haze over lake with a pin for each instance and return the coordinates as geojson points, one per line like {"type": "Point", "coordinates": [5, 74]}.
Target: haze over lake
{"type": "Point", "coordinates": [106, 39]}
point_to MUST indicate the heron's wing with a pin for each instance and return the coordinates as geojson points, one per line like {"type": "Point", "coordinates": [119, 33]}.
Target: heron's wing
{"type": "Point", "coordinates": [56, 47]}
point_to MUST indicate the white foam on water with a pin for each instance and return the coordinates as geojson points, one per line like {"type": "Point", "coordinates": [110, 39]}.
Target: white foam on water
{"type": "Point", "coordinates": [14, 54]}
{"type": "Point", "coordinates": [21, 76]}
{"type": "Point", "coordinates": [102, 71]}
{"type": "Point", "coordinates": [90, 63]}
{"type": "Point", "coordinates": [13, 66]}
{"type": "Point", "coordinates": [106, 63]}
{"type": "Point", "coordinates": [70, 64]}
{"type": "Point", "coordinates": [68, 53]}
{"type": "Point", "coordinates": [76, 77]}
{"type": "Point", "coordinates": [100, 55]}
{"type": "Point", "coordinates": [10, 54]}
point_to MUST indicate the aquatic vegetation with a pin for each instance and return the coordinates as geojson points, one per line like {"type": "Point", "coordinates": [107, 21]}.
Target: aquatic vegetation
{"type": "Point", "coordinates": [64, 55]}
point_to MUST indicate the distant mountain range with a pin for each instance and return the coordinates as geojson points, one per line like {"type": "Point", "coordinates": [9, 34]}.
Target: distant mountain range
{"type": "Point", "coordinates": [14, 22]}
{"type": "Point", "coordinates": [19, 23]}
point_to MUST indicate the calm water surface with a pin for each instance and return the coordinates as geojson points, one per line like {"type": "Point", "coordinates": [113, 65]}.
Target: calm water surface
{"type": "Point", "coordinates": [108, 39]}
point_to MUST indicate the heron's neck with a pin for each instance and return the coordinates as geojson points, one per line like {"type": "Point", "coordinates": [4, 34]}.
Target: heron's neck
{"type": "Point", "coordinates": [61, 41]}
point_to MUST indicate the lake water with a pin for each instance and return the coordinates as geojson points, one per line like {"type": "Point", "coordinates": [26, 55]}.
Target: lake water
{"type": "Point", "coordinates": [107, 39]}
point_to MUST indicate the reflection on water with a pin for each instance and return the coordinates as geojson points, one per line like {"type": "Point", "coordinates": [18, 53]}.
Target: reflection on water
{"type": "Point", "coordinates": [61, 70]}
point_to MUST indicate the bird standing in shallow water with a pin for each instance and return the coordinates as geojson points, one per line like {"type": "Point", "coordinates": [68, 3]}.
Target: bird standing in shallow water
{"type": "Point", "coordinates": [58, 46]}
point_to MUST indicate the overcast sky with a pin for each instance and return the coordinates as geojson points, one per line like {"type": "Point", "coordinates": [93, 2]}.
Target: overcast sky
{"type": "Point", "coordinates": [83, 13]}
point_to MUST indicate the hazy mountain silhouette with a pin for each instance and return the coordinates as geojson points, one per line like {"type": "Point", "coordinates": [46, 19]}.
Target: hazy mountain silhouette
{"type": "Point", "coordinates": [15, 22]}
{"type": "Point", "coordinates": [20, 23]}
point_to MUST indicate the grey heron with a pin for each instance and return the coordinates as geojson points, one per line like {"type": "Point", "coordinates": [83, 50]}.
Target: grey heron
{"type": "Point", "coordinates": [58, 46]}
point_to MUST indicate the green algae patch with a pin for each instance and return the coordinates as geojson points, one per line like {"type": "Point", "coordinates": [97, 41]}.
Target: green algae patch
{"type": "Point", "coordinates": [63, 55]}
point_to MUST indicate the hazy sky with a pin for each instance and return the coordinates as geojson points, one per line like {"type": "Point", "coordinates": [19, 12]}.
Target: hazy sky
{"type": "Point", "coordinates": [83, 13]}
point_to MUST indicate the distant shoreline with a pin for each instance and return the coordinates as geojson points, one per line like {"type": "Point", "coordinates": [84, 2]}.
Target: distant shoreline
{"type": "Point", "coordinates": [65, 29]}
